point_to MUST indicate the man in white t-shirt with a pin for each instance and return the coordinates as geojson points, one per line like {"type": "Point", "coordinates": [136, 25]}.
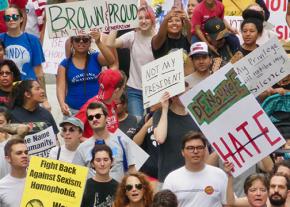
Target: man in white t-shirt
{"type": "Point", "coordinates": [12, 185]}
{"type": "Point", "coordinates": [72, 130]}
{"type": "Point", "coordinates": [196, 183]}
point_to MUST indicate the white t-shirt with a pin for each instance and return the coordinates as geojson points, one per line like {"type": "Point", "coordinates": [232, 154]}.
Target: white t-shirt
{"type": "Point", "coordinates": [65, 154]}
{"type": "Point", "coordinates": [140, 54]}
{"type": "Point", "coordinates": [206, 188]}
{"type": "Point", "coordinates": [4, 166]}
{"type": "Point", "coordinates": [11, 190]}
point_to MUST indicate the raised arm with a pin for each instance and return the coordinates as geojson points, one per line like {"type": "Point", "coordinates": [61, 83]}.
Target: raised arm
{"type": "Point", "coordinates": [160, 132]}
{"type": "Point", "coordinates": [106, 56]}
{"type": "Point", "coordinates": [112, 41]}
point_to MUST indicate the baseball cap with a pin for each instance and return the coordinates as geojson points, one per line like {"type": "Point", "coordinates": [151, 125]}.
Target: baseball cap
{"type": "Point", "coordinates": [74, 121]}
{"type": "Point", "coordinates": [215, 28]}
{"type": "Point", "coordinates": [108, 80]}
{"type": "Point", "coordinates": [198, 48]}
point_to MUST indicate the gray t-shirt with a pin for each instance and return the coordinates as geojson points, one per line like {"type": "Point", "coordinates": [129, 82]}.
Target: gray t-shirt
{"type": "Point", "coordinates": [83, 156]}
{"type": "Point", "coordinates": [4, 166]}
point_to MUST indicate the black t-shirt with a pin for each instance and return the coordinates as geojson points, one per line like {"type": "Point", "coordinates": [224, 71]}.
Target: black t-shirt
{"type": "Point", "coordinates": [40, 118]}
{"type": "Point", "coordinates": [99, 194]}
{"type": "Point", "coordinates": [149, 145]}
{"type": "Point", "coordinates": [4, 98]}
{"type": "Point", "coordinates": [129, 125]}
{"type": "Point", "coordinates": [169, 153]}
{"type": "Point", "coordinates": [170, 44]}
{"type": "Point", "coordinates": [231, 46]}
{"type": "Point", "coordinates": [246, 52]}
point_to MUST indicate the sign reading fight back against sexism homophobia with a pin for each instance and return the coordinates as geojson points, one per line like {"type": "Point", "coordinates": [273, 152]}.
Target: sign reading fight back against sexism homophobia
{"type": "Point", "coordinates": [161, 75]}
{"type": "Point", "coordinates": [232, 120]}
{"type": "Point", "coordinates": [264, 67]}
{"type": "Point", "coordinates": [53, 183]}
{"type": "Point", "coordinates": [81, 17]}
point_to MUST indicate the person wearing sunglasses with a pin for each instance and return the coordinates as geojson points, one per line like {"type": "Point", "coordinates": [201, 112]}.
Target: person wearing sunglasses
{"type": "Point", "coordinates": [97, 116]}
{"type": "Point", "coordinates": [139, 43]}
{"type": "Point", "coordinates": [23, 48]}
{"type": "Point", "coordinates": [100, 190]}
{"type": "Point", "coordinates": [9, 73]}
{"type": "Point", "coordinates": [77, 75]}
{"type": "Point", "coordinates": [72, 130]}
{"type": "Point", "coordinates": [134, 191]}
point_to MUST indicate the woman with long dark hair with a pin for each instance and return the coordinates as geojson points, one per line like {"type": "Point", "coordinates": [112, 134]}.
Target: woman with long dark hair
{"type": "Point", "coordinates": [26, 98]}
{"type": "Point", "coordinates": [77, 75]}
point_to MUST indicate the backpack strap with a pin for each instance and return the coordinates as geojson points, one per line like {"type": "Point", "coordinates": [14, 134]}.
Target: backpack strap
{"type": "Point", "coordinates": [125, 161]}
{"type": "Point", "coordinates": [58, 153]}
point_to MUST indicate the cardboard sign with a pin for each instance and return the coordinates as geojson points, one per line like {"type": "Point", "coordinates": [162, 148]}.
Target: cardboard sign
{"type": "Point", "coordinates": [265, 66]}
{"type": "Point", "coordinates": [53, 183]}
{"type": "Point", "coordinates": [3, 5]}
{"type": "Point", "coordinates": [40, 143]}
{"type": "Point", "coordinates": [81, 17]}
{"type": "Point", "coordinates": [232, 120]}
{"type": "Point", "coordinates": [54, 52]}
{"type": "Point", "coordinates": [161, 75]}
{"type": "Point", "coordinates": [140, 155]}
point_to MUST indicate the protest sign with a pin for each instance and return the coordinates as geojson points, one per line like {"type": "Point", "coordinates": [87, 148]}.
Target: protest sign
{"type": "Point", "coordinates": [53, 183]}
{"type": "Point", "coordinates": [140, 155]}
{"type": "Point", "coordinates": [161, 75]}
{"type": "Point", "coordinates": [3, 5]}
{"type": "Point", "coordinates": [40, 143]}
{"type": "Point", "coordinates": [264, 67]}
{"type": "Point", "coordinates": [81, 17]}
{"type": "Point", "coordinates": [54, 52]}
{"type": "Point", "coordinates": [232, 120]}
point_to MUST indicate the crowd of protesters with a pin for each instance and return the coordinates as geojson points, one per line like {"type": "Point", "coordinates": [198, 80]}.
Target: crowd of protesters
{"type": "Point", "coordinates": [100, 92]}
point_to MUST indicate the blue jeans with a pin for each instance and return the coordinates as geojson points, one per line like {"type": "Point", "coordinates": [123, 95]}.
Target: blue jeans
{"type": "Point", "coordinates": [194, 39]}
{"type": "Point", "coordinates": [135, 102]}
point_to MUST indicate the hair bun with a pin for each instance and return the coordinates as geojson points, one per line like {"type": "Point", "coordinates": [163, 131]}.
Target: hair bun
{"type": "Point", "coordinates": [250, 13]}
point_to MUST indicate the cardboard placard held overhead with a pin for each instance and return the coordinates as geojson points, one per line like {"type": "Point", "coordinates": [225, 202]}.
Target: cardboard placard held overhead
{"type": "Point", "coordinates": [81, 17]}
{"type": "Point", "coordinates": [232, 120]}
{"type": "Point", "coordinates": [53, 183]}
{"type": "Point", "coordinates": [265, 66]}
{"type": "Point", "coordinates": [161, 75]}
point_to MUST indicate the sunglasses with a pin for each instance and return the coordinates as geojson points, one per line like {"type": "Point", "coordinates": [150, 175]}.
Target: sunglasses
{"type": "Point", "coordinates": [5, 73]}
{"type": "Point", "coordinates": [68, 129]}
{"type": "Point", "coordinates": [129, 187]}
{"type": "Point", "coordinates": [14, 17]}
{"type": "Point", "coordinates": [83, 39]}
{"type": "Point", "coordinates": [97, 116]}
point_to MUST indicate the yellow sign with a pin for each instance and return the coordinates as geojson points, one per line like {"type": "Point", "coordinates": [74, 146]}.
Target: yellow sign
{"type": "Point", "coordinates": [236, 7]}
{"type": "Point", "coordinates": [53, 183]}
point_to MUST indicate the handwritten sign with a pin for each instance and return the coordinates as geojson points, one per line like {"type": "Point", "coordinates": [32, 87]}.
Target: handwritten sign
{"type": "Point", "coordinates": [81, 17]}
{"type": "Point", "coordinates": [264, 67]}
{"type": "Point", "coordinates": [54, 52]}
{"type": "Point", "coordinates": [232, 120]}
{"type": "Point", "coordinates": [3, 5]}
{"type": "Point", "coordinates": [40, 143]}
{"type": "Point", "coordinates": [161, 75]}
{"type": "Point", "coordinates": [53, 183]}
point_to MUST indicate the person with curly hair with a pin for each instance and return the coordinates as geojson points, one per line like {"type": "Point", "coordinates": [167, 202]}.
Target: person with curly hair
{"type": "Point", "coordinates": [134, 191]}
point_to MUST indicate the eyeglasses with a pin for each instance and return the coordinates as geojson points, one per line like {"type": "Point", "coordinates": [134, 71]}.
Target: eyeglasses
{"type": "Point", "coordinates": [193, 148]}
{"type": "Point", "coordinates": [14, 17]}
{"type": "Point", "coordinates": [97, 116]}
{"type": "Point", "coordinates": [68, 129]}
{"type": "Point", "coordinates": [83, 39]}
{"type": "Point", "coordinates": [129, 187]}
{"type": "Point", "coordinates": [5, 73]}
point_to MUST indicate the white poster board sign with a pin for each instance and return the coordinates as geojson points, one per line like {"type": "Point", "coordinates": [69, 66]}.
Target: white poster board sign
{"type": "Point", "coordinates": [54, 53]}
{"type": "Point", "coordinates": [232, 120]}
{"type": "Point", "coordinates": [265, 66]}
{"type": "Point", "coordinates": [161, 75]}
{"type": "Point", "coordinates": [40, 143]}
{"type": "Point", "coordinates": [81, 17]}
{"type": "Point", "coordinates": [140, 155]}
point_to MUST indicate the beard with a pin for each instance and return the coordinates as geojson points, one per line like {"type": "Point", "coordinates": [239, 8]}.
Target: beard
{"type": "Point", "coordinates": [277, 201]}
